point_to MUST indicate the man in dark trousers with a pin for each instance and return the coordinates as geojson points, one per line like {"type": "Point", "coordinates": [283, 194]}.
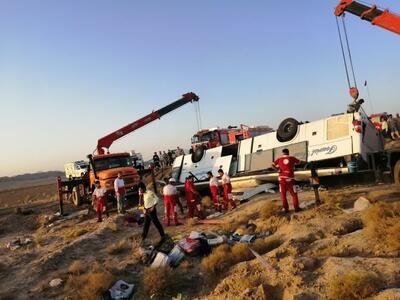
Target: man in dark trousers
{"type": "Point", "coordinates": [285, 166]}
{"type": "Point", "coordinates": [149, 201]}
{"type": "Point", "coordinates": [156, 160]}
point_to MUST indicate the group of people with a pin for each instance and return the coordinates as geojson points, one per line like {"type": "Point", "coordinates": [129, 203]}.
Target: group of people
{"type": "Point", "coordinates": [163, 159]}
{"type": "Point", "coordinates": [391, 126]}
{"type": "Point", "coordinates": [149, 200]}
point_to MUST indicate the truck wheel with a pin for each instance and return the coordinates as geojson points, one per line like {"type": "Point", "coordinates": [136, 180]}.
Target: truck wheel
{"type": "Point", "coordinates": [76, 197]}
{"type": "Point", "coordinates": [198, 154]}
{"type": "Point", "coordinates": [397, 172]}
{"type": "Point", "coordinates": [287, 130]}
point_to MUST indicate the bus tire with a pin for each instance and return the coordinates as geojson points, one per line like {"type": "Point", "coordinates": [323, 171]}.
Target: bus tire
{"type": "Point", "coordinates": [287, 130]}
{"type": "Point", "coordinates": [198, 154]}
{"type": "Point", "coordinates": [76, 197]}
{"type": "Point", "coordinates": [396, 173]}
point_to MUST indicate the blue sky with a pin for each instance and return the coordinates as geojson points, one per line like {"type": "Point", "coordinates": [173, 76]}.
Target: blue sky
{"type": "Point", "coordinates": [73, 71]}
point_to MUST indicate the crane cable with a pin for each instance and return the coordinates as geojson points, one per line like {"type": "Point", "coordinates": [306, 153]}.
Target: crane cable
{"type": "Point", "coordinates": [343, 52]}
{"type": "Point", "coordinates": [198, 115]}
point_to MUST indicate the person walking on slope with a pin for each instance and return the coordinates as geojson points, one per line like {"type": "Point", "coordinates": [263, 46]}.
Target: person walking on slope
{"type": "Point", "coordinates": [214, 190]}
{"type": "Point", "coordinates": [227, 186]}
{"type": "Point", "coordinates": [149, 200]}
{"type": "Point", "coordinates": [99, 198]}
{"type": "Point", "coordinates": [191, 199]}
{"type": "Point", "coordinates": [170, 194]}
{"type": "Point", "coordinates": [120, 192]}
{"type": "Point", "coordinates": [285, 166]}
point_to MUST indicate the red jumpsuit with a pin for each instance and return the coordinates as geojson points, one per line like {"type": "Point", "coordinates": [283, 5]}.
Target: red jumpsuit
{"type": "Point", "coordinates": [191, 200]}
{"type": "Point", "coordinates": [170, 193]}
{"type": "Point", "coordinates": [228, 199]}
{"type": "Point", "coordinates": [286, 179]}
{"type": "Point", "coordinates": [214, 192]}
{"type": "Point", "coordinates": [100, 199]}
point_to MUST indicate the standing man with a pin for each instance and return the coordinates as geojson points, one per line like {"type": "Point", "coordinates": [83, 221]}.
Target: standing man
{"type": "Point", "coordinates": [191, 198]}
{"type": "Point", "coordinates": [179, 151]}
{"type": "Point", "coordinates": [394, 131]}
{"type": "Point", "coordinates": [285, 166]}
{"type": "Point", "coordinates": [166, 158]}
{"type": "Point", "coordinates": [156, 160]}
{"type": "Point", "coordinates": [227, 186]}
{"type": "Point", "coordinates": [120, 192]}
{"type": "Point", "coordinates": [214, 190]}
{"type": "Point", "coordinates": [149, 200]}
{"type": "Point", "coordinates": [170, 157]}
{"type": "Point", "coordinates": [170, 194]}
{"type": "Point", "coordinates": [99, 198]}
{"type": "Point", "coordinates": [162, 161]}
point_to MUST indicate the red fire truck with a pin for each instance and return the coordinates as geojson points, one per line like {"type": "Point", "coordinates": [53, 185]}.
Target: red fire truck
{"type": "Point", "coordinates": [214, 137]}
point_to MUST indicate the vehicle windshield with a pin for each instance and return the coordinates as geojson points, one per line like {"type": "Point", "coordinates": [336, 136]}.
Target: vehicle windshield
{"type": "Point", "coordinates": [207, 137]}
{"type": "Point", "coordinates": [195, 139]}
{"type": "Point", "coordinates": [112, 162]}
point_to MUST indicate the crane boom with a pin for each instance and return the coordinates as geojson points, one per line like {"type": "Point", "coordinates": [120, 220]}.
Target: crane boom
{"type": "Point", "coordinates": [106, 141]}
{"type": "Point", "coordinates": [382, 18]}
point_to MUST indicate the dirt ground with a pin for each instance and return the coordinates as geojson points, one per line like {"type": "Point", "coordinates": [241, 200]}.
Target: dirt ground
{"type": "Point", "coordinates": [310, 253]}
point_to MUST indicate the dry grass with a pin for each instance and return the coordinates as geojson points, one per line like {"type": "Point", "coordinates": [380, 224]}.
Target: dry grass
{"type": "Point", "coordinates": [75, 267]}
{"type": "Point", "coordinates": [190, 222]}
{"type": "Point", "coordinates": [90, 285]}
{"type": "Point", "coordinates": [206, 202]}
{"type": "Point", "coordinates": [229, 227]}
{"type": "Point", "coordinates": [118, 247]}
{"type": "Point", "coordinates": [338, 199]}
{"type": "Point", "coordinates": [224, 256]}
{"type": "Point", "coordinates": [73, 233]}
{"type": "Point", "coordinates": [353, 285]}
{"type": "Point", "coordinates": [41, 230]}
{"type": "Point", "coordinates": [382, 223]}
{"type": "Point", "coordinates": [269, 210]}
{"type": "Point", "coordinates": [219, 260]}
{"type": "Point", "coordinates": [137, 251]}
{"type": "Point", "coordinates": [161, 281]}
{"type": "Point", "coordinates": [113, 227]}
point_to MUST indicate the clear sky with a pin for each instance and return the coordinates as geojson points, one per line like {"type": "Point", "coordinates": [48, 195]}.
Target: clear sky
{"type": "Point", "coordinates": [73, 71]}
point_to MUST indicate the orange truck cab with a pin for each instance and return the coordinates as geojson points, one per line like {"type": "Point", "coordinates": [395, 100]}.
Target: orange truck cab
{"type": "Point", "coordinates": [106, 167]}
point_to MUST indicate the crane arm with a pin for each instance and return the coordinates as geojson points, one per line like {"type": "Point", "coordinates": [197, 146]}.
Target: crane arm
{"type": "Point", "coordinates": [106, 141]}
{"type": "Point", "coordinates": [382, 18]}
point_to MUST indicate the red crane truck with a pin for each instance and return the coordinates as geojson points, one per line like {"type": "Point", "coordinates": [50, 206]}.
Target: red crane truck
{"type": "Point", "coordinates": [104, 166]}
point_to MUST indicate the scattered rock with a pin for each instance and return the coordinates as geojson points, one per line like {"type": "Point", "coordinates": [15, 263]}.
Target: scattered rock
{"type": "Point", "coordinates": [361, 204]}
{"type": "Point", "coordinates": [55, 282]}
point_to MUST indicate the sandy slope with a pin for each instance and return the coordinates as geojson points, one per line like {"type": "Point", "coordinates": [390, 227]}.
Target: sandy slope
{"type": "Point", "coordinates": [316, 245]}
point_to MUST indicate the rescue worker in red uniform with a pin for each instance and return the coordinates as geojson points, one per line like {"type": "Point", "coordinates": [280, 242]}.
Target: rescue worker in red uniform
{"type": "Point", "coordinates": [214, 190]}
{"type": "Point", "coordinates": [170, 194]}
{"type": "Point", "coordinates": [227, 186]}
{"type": "Point", "coordinates": [285, 166]}
{"type": "Point", "coordinates": [191, 199]}
{"type": "Point", "coordinates": [99, 198]}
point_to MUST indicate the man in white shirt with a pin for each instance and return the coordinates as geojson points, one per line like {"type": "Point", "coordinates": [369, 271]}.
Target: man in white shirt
{"type": "Point", "coordinates": [120, 192]}
{"type": "Point", "coordinates": [99, 197]}
{"type": "Point", "coordinates": [227, 186]}
{"type": "Point", "coordinates": [170, 194]}
{"type": "Point", "coordinates": [214, 190]}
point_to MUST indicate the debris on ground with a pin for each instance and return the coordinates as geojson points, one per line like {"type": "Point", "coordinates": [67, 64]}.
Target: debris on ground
{"type": "Point", "coordinates": [18, 243]}
{"type": "Point", "coordinates": [55, 282]}
{"type": "Point", "coordinates": [121, 290]}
